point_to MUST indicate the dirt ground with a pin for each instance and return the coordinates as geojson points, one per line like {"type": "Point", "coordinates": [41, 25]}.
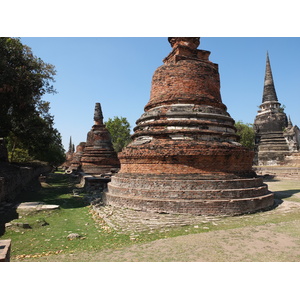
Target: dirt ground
{"type": "Point", "coordinates": [267, 242]}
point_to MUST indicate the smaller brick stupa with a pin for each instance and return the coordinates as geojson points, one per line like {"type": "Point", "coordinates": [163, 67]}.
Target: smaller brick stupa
{"type": "Point", "coordinates": [99, 155]}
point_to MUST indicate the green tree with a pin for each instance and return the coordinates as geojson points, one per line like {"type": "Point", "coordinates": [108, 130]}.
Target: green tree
{"type": "Point", "coordinates": [119, 129]}
{"type": "Point", "coordinates": [43, 142]}
{"type": "Point", "coordinates": [246, 133]}
{"type": "Point", "coordinates": [281, 108]}
{"type": "Point", "coordinates": [25, 119]}
{"type": "Point", "coordinates": [24, 79]}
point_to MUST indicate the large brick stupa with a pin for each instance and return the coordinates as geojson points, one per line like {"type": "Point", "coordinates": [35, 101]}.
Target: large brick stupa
{"type": "Point", "coordinates": [185, 156]}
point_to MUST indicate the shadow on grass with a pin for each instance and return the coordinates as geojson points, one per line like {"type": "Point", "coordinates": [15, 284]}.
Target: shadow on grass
{"type": "Point", "coordinates": [278, 196]}
{"type": "Point", "coordinates": [269, 178]}
{"type": "Point", "coordinates": [285, 194]}
{"type": "Point", "coordinates": [58, 189]}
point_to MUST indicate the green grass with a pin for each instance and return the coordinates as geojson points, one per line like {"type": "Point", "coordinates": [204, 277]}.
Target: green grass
{"type": "Point", "coordinates": [76, 216]}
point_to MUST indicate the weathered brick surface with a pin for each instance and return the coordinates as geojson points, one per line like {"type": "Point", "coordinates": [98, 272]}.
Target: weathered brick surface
{"type": "Point", "coordinates": [196, 207]}
{"type": "Point", "coordinates": [186, 82]}
{"type": "Point", "coordinates": [185, 157]}
{"type": "Point", "coordinates": [185, 144]}
{"type": "Point", "coordinates": [189, 194]}
{"type": "Point", "coordinates": [179, 182]}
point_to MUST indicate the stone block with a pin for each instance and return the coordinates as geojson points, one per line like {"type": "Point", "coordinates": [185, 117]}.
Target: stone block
{"type": "Point", "coordinates": [5, 248]}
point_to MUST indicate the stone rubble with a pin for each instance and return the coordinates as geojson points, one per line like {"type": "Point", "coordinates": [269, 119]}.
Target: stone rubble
{"type": "Point", "coordinates": [125, 220]}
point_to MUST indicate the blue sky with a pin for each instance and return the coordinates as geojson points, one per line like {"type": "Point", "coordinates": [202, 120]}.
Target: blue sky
{"type": "Point", "coordinates": [117, 72]}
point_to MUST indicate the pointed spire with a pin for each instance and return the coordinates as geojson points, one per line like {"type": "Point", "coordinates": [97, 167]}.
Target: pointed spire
{"type": "Point", "coordinates": [290, 124]}
{"type": "Point", "coordinates": [269, 93]}
{"type": "Point", "coordinates": [70, 145]}
{"type": "Point", "coordinates": [98, 116]}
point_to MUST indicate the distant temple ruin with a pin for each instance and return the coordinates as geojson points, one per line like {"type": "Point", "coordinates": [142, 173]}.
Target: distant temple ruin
{"type": "Point", "coordinates": [75, 164]}
{"type": "Point", "coordinates": [185, 156]}
{"type": "Point", "coordinates": [275, 136]}
{"type": "Point", "coordinates": [99, 155]}
{"type": "Point", "coordinates": [292, 136]}
{"type": "Point", "coordinates": [69, 155]}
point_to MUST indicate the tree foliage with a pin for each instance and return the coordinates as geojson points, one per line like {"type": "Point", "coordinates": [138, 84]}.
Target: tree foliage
{"type": "Point", "coordinates": [119, 129]}
{"type": "Point", "coordinates": [246, 133]}
{"type": "Point", "coordinates": [24, 116]}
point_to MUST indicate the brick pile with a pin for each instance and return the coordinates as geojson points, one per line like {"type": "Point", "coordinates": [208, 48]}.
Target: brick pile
{"type": "Point", "coordinates": [185, 156]}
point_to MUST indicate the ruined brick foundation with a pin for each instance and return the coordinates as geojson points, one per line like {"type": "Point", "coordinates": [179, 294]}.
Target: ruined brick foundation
{"type": "Point", "coordinates": [195, 196]}
{"type": "Point", "coordinates": [185, 156]}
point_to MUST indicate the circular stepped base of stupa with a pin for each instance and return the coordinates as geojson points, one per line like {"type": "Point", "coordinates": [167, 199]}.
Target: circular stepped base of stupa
{"type": "Point", "coordinates": [167, 194]}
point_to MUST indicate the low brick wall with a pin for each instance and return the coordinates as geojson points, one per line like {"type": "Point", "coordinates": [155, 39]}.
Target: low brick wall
{"type": "Point", "coordinates": [93, 182]}
{"type": "Point", "coordinates": [14, 179]}
{"type": "Point", "coordinates": [284, 172]}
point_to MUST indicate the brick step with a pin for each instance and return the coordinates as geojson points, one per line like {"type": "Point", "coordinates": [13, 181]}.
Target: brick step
{"type": "Point", "coordinates": [273, 141]}
{"type": "Point", "coordinates": [272, 137]}
{"type": "Point", "coordinates": [195, 207]}
{"type": "Point", "coordinates": [216, 194]}
{"type": "Point", "coordinates": [274, 147]}
{"type": "Point", "coordinates": [149, 182]}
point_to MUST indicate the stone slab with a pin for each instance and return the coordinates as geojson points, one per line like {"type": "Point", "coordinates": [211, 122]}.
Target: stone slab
{"type": "Point", "coordinates": [31, 206]}
{"type": "Point", "coordinates": [5, 246]}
